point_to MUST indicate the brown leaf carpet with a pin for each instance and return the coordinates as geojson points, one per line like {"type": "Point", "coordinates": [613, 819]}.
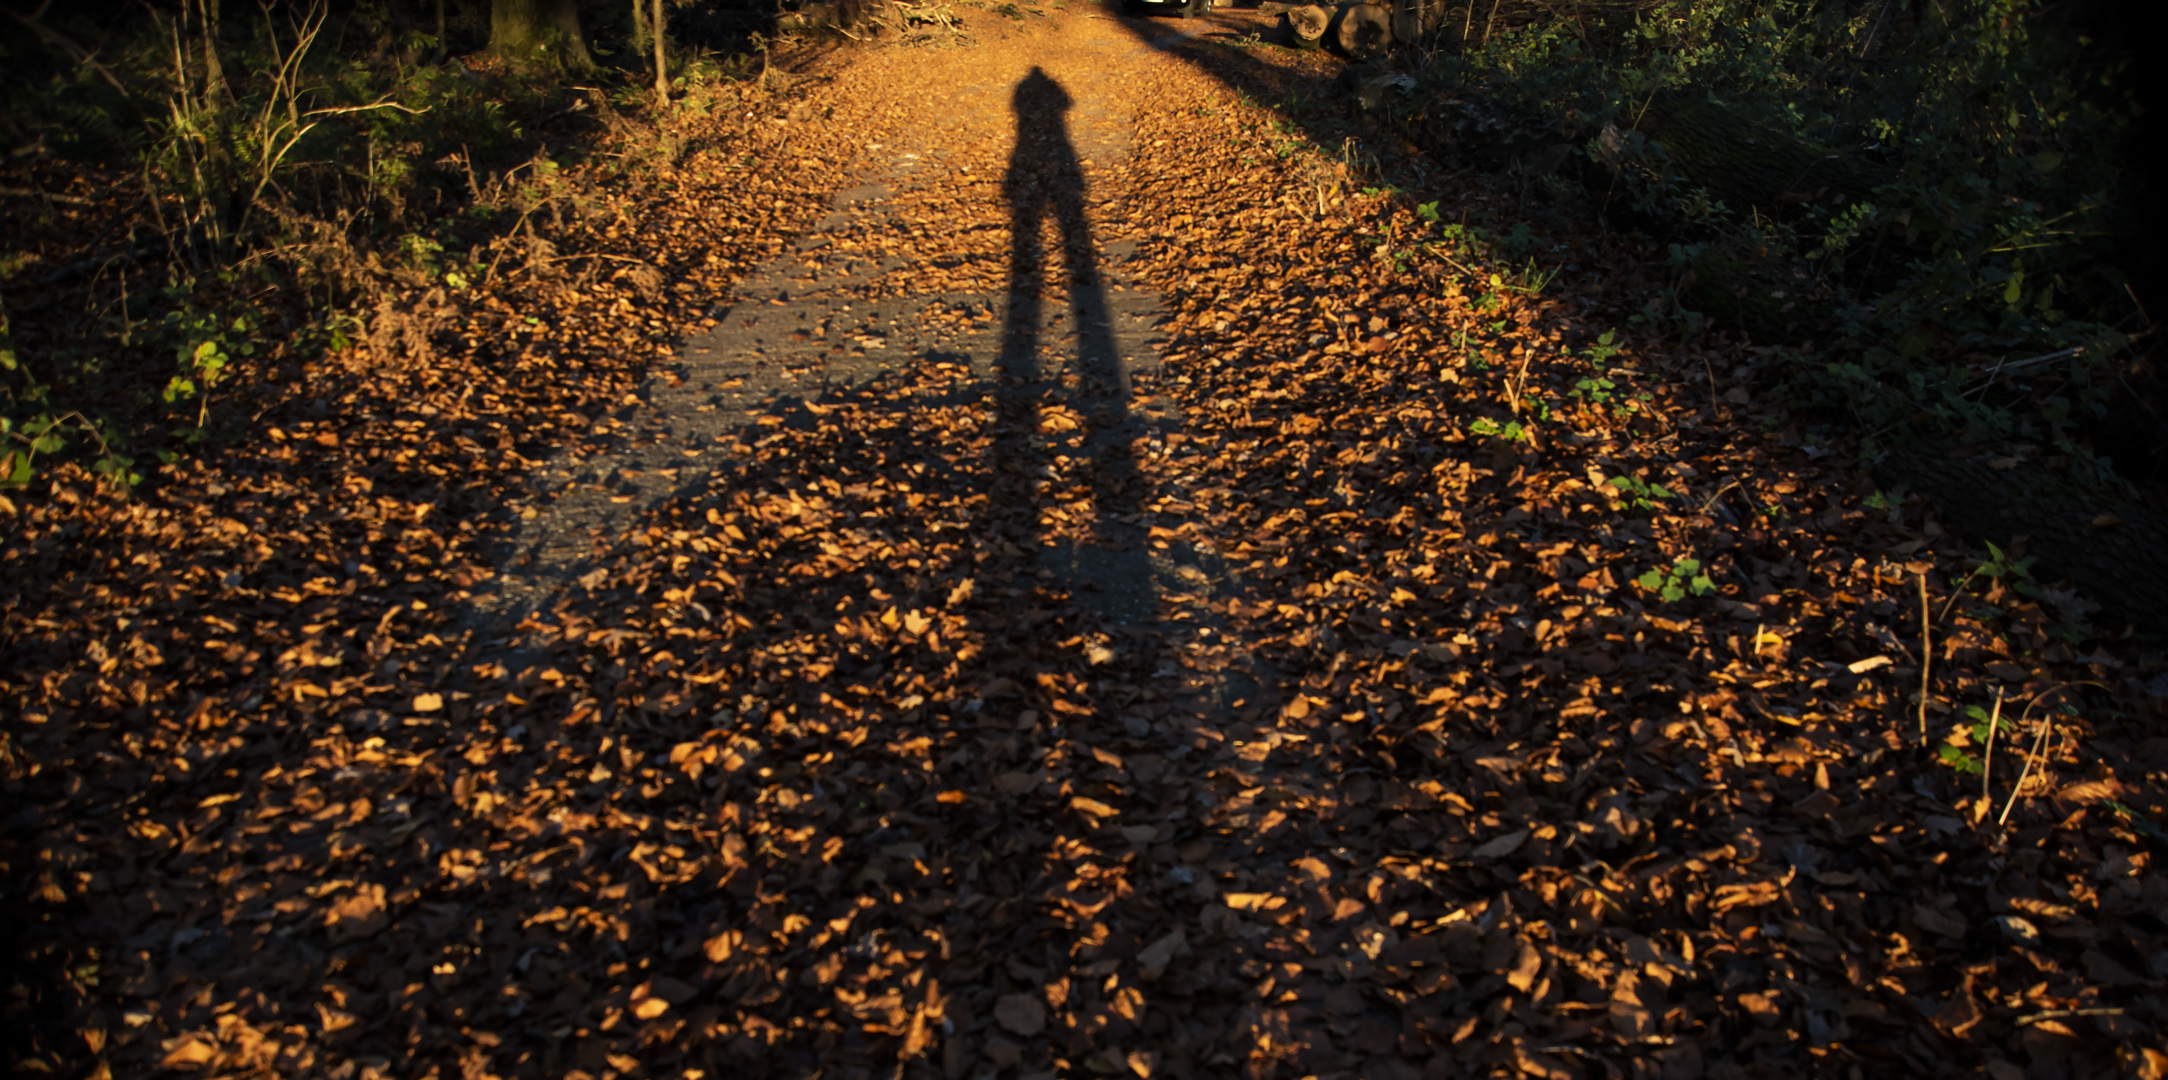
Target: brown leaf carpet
{"type": "Point", "coordinates": [1068, 605]}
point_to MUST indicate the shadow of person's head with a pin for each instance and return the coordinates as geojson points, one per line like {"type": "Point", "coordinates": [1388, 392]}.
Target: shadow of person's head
{"type": "Point", "coordinates": [1039, 99]}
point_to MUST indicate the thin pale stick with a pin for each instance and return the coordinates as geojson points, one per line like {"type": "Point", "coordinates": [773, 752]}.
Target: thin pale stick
{"type": "Point", "coordinates": [1927, 656]}
{"type": "Point", "coordinates": [1957, 593]}
{"type": "Point", "coordinates": [2047, 724]}
{"type": "Point", "coordinates": [2040, 741]}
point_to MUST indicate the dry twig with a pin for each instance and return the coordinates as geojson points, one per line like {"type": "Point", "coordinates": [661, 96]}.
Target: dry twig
{"type": "Point", "coordinates": [1927, 655]}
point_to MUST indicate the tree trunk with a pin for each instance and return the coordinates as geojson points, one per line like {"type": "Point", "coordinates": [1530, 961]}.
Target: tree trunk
{"type": "Point", "coordinates": [662, 66]}
{"type": "Point", "coordinates": [214, 73]}
{"type": "Point", "coordinates": [1306, 26]}
{"type": "Point", "coordinates": [1364, 30]}
{"type": "Point", "coordinates": [1415, 20]}
{"type": "Point", "coordinates": [539, 34]}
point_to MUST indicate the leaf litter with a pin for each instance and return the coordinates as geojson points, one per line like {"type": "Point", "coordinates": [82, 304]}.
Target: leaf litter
{"type": "Point", "coordinates": [823, 767]}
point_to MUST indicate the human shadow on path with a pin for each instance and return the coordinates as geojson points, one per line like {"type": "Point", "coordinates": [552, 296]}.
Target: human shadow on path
{"type": "Point", "coordinates": [1044, 185]}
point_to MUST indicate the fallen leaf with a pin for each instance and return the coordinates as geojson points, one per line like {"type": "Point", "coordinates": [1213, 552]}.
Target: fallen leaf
{"type": "Point", "coordinates": [2018, 930]}
{"type": "Point", "coordinates": [1093, 807]}
{"type": "Point", "coordinates": [2042, 908]}
{"type": "Point", "coordinates": [334, 1020]}
{"type": "Point", "coordinates": [1502, 846]}
{"type": "Point", "coordinates": [358, 915]}
{"type": "Point", "coordinates": [2088, 792]}
{"type": "Point", "coordinates": [190, 1053]}
{"type": "Point", "coordinates": [2104, 969]}
{"type": "Point", "coordinates": [2142, 1062]}
{"type": "Point", "coordinates": [1938, 921]}
{"type": "Point", "coordinates": [674, 991]}
{"type": "Point", "coordinates": [917, 1036]}
{"type": "Point", "coordinates": [1154, 958]}
{"type": "Point", "coordinates": [719, 947]}
{"type": "Point", "coordinates": [1630, 1016]}
{"type": "Point", "coordinates": [1022, 1014]}
{"type": "Point", "coordinates": [1527, 963]}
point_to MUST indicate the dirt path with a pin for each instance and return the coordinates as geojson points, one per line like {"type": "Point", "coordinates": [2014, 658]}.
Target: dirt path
{"type": "Point", "coordinates": [1113, 597]}
{"type": "Point", "coordinates": [975, 286]}
{"type": "Point", "coordinates": [917, 266]}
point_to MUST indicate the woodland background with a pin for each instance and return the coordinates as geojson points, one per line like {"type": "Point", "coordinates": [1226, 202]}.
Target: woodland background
{"type": "Point", "coordinates": [273, 283]}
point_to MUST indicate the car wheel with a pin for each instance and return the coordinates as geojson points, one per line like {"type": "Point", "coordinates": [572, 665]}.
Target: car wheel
{"type": "Point", "coordinates": [1195, 8]}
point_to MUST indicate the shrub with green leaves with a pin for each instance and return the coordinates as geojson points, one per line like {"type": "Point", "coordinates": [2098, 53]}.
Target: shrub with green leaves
{"type": "Point", "coordinates": [301, 152]}
{"type": "Point", "coordinates": [1637, 494]}
{"type": "Point", "coordinates": [1510, 431]}
{"type": "Point", "coordinates": [1981, 733]}
{"type": "Point", "coordinates": [1678, 581]}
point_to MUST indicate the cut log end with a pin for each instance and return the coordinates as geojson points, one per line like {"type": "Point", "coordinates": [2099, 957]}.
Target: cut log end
{"type": "Point", "coordinates": [1305, 26]}
{"type": "Point", "coordinates": [1364, 30]}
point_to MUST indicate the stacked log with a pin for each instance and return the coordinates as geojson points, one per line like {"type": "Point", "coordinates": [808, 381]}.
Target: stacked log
{"type": "Point", "coordinates": [1363, 31]}
{"type": "Point", "coordinates": [1305, 26]}
{"type": "Point", "coordinates": [823, 15]}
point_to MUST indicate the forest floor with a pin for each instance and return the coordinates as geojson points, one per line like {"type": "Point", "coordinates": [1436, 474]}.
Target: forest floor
{"type": "Point", "coordinates": [1047, 553]}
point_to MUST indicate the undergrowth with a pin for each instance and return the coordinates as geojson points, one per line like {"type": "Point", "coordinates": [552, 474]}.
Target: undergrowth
{"type": "Point", "coordinates": [1919, 201]}
{"type": "Point", "coordinates": [215, 203]}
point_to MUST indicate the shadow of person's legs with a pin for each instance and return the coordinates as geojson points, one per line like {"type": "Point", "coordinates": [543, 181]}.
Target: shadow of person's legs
{"type": "Point", "coordinates": [1045, 185]}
